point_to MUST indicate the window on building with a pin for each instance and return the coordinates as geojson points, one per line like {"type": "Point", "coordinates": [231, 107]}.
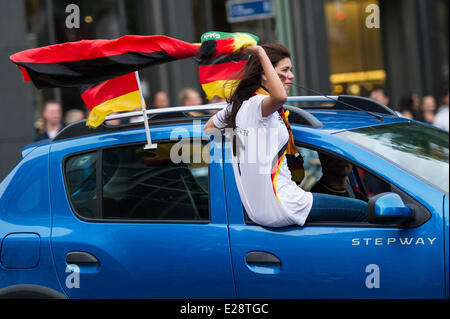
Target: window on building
{"type": "Point", "coordinates": [355, 50]}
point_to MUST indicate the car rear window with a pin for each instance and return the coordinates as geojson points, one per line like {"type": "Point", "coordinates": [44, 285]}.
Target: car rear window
{"type": "Point", "coordinates": [81, 177]}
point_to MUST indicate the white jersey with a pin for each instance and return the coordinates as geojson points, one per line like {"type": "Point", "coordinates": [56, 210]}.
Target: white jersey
{"type": "Point", "coordinates": [262, 176]}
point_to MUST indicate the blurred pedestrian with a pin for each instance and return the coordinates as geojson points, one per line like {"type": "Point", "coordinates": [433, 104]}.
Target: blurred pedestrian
{"type": "Point", "coordinates": [49, 123]}
{"type": "Point", "coordinates": [379, 94]}
{"type": "Point", "coordinates": [189, 97]}
{"type": "Point", "coordinates": [113, 122]}
{"type": "Point", "coordinates": [428, 109]}
{"type": "Point", "coordinates": [441, 119]}
{"type": "Point", "coordinates": [73, 115]}
{"type": "Point", "coordinates": [160, 99]}
{"type": "Point", "coordinates": [409, 106]}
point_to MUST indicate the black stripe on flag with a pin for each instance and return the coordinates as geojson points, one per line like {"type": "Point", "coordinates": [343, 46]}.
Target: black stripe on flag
{"type": "Point", "coordinates": [91, 71]}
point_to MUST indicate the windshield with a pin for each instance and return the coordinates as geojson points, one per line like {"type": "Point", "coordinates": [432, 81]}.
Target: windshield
{"type": "Point", "coordinates": [419, 149]}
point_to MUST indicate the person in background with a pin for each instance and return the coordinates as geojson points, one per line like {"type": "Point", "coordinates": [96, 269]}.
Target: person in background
{"type": "Point", "coordinates": [409, 106]}
{"type": "Point", "coordinates": [379, 95]}
{"type": "Point", "coordinates": [189, 96]}
{"type": "Point", "coordinates": [428, 109]}
{"type": "Point", "coordinates": [160, 99]}
{"type": "Point", "coordinates": [49, 124]}
{"type": "Point", "coordinates": [441, 119]}
{"type": "Point", "coordinates": [73, 115]}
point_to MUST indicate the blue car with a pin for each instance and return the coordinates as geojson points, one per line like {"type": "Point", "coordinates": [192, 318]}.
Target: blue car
{"type": "Point", "coordinates": [96, 213]}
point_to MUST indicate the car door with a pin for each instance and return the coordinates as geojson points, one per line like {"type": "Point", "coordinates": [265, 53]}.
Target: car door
{"type": "Point", "coordinates": [155, 233]}
{"type": "Point", "coordinates": [341, 260]}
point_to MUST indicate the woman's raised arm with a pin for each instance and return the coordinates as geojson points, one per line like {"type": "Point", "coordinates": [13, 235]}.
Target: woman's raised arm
{"type": "Point", "coordinates": [276, 89]}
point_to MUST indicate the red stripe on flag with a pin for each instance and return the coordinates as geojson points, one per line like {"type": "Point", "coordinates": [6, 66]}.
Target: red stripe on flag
{"type": "Point", "coordinates": [222, 71]}
{"type": "Point", "coordinates": [110, 89]}
{"type": "Point", "coordinates": [91, 49]}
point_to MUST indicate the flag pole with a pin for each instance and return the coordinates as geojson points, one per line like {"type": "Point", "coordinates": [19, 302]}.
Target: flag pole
{"type": "Point", "coordinates": [149, 145]}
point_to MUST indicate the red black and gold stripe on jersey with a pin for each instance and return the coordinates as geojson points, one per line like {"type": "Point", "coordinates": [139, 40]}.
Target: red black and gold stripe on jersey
{"type": "Point", "coordinates": [294, 163]}
{"type": "Point", "coordinates": [293, 157]}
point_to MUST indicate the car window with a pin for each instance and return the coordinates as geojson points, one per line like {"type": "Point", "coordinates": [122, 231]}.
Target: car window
{"type": "Point", "coordinates": [360, 183]}
{"type": "Point", "coordinates": [369, 183]}
{"type": "Point", "coordinates": [146, 185]}
{"type": "Point", "coordinates": [81, 177]}
{"type": "Point", "coordinates": [311, 164]}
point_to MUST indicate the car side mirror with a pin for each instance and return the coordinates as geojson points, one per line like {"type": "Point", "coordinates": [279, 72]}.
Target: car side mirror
{"type": "Point", "coordinates": [388, 208]}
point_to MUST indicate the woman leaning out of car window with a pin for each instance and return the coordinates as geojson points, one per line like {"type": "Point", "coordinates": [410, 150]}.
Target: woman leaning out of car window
{"type": "Point", "coordinates": [255, 113]}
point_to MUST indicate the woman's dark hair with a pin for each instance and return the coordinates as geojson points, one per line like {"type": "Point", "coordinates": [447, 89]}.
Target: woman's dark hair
{"type": "Point", "coordinates": [251, 78]}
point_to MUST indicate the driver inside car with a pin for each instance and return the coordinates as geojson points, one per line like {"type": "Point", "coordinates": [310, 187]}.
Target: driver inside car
{"type": "Point", "coordinates": [334, 180]}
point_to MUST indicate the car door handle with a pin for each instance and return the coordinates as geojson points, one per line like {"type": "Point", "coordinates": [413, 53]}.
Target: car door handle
{"type": "Point", "coordinates": [263, 262]}
{"type": "Point", "coordinates": [81, 257]}
{"type": "Point", "coordinates": [261, 257]}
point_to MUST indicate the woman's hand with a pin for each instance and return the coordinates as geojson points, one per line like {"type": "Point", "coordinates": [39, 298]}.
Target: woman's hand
{"type": "Point", "coordinates": [209, 126]}
{"type": "Point", "coordinates": [253, 50]}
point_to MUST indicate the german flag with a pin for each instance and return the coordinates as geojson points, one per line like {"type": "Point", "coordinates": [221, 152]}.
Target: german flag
{"type": "Point", "coordinates": [115, 95]}
{"type": "Point", "coordinates": [216, 43]}
{"type": "Point", "coordinates": [86, 62]}
{"type": "Point", "coordinates": [75, 64]}
{"type": "Point", "coordinates": [218, 76]}
{"type": "Point", "coordinates": [220, 62]}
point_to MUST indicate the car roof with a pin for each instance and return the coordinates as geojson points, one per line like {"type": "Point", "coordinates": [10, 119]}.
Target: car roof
{"type": "Point", "coordinates": [344, 113]}
{"type": "Point", "coordinates": [324, 120]}
{"type": "Point", "coordinates": [342, 120]}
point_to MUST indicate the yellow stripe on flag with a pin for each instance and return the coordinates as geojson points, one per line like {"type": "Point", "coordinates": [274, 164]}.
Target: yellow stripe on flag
{"type": "Point", "coordinates": [221, 88]}
{"type": "Point", "coordinates": [242, 40]}
{"type": "Point", "coordinates": [126, 102]}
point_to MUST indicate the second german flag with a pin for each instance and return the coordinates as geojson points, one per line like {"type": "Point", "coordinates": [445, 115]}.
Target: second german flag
{"type": "Point", "coordinates": [115, 95]}
{"type": "Point", "coordinates": [220, 75]}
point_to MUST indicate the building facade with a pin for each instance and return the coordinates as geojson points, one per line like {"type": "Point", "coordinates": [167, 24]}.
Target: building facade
{"type": "Point", "coordinates": [338, 47]}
